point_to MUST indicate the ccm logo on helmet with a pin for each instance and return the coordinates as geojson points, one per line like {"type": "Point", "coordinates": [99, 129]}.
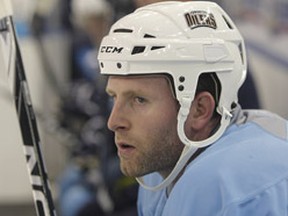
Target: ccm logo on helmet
{"type": "Point", "coordinates": [111, 49]}
{"type": "Point", "coordinates": [197, 19]}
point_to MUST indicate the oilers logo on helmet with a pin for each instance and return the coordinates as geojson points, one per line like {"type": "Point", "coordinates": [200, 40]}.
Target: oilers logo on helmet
{"type": "Point", "coordinates": [197, 19]}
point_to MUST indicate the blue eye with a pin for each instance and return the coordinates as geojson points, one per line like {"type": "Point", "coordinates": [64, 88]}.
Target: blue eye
{"type": "Point", "coordinates": [140, 100]}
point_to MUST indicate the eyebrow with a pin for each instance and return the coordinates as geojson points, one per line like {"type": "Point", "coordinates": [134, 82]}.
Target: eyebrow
{"type": "Point", "coordinates": [126, 92]}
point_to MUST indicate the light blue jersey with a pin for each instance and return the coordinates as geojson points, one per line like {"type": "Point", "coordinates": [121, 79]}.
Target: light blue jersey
{"type": "Point", "coordinates": [245, 173]}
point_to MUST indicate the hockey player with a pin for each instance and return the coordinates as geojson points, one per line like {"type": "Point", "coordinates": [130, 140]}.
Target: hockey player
{"type": "Point", "coordinates": [174, 70]}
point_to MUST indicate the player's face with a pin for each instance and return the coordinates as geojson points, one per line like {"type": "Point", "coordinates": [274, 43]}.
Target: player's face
{"type": "Point", "coordinates": [144, 119]}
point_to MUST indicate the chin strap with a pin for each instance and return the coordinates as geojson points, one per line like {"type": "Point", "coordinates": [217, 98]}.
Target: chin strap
{"type": "Point", "coordinates": [190, 146]}
{"type": "Point", "coordinates": [185, 156]}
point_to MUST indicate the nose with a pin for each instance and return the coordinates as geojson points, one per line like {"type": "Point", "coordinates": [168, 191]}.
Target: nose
{"type": "Point", "coordinates": [118, 119]}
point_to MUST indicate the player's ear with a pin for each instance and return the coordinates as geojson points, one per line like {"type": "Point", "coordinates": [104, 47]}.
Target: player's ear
{"type": "Point", "coordinates": [201, 112]}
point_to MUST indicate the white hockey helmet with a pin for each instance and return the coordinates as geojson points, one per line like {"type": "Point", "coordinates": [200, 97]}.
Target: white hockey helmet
{"type": "Point", "coordinates": [184, 40]}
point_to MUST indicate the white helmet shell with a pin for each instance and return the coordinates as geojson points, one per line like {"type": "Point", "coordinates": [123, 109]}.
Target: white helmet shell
{"type": "Point", "coordinates": [184, 40]}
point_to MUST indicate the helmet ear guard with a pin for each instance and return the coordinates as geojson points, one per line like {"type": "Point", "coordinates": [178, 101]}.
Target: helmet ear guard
{"type": "Point", "coordinates": [186, 40]}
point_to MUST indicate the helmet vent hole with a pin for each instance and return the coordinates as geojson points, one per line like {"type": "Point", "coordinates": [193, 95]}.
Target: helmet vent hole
{"type": "Point", "coordinates": [123, 30]}
{"type": "Point", "coordinates": [240, 47]}
{"type": "Point", "coordinates": [138, 49]}
{"type": "Point", "coordinates": [180, 87]}
{"type": "Point", "coordinates": [227, 23]}
{"type": "Point", "coordinates": [181, 79]}
{"type": "Point", "coordinates": [157, 47]}
{"type": "Point", "coordinates": [149, 36]}
{"type": "Point", "coordinates": [119, 65]}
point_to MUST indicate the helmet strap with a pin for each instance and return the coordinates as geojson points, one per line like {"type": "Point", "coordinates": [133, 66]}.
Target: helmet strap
{"type": "Point", "coordinates": [190, 146]}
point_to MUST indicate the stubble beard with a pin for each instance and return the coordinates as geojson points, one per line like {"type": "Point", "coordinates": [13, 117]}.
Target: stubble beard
{"type": "Point", "coordinates": [161, 156]}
